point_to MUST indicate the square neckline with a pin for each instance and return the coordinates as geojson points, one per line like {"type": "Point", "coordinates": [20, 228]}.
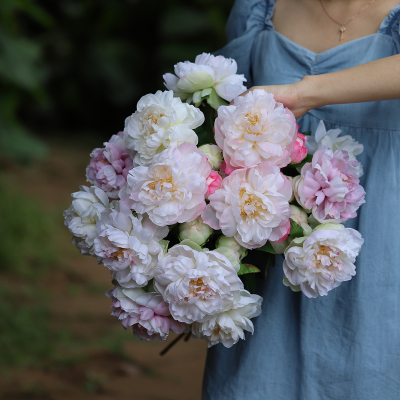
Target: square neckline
{"type": "Point", "coordinates": [312, 53]}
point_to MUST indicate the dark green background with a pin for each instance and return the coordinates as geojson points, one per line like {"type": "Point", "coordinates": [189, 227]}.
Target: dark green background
{"type": "Point", "coordinates": [80, 66]}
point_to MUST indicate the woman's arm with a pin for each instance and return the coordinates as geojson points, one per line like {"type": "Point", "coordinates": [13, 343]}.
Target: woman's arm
{"type": "Point", "coordinates": [373, 81]}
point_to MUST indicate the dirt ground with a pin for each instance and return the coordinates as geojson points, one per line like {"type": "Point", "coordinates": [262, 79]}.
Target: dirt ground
{"type": "Point", "coordinates": [138, 372]}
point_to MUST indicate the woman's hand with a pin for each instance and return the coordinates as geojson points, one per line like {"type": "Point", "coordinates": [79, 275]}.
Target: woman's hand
{"type": "Point", "coordinates": [289, 95]}
{"type": "Point", "coordinates": [374, 81]}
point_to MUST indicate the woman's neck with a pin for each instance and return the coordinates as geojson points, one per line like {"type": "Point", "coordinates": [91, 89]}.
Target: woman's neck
{"type": "Point", "coordinates": [306, 23]}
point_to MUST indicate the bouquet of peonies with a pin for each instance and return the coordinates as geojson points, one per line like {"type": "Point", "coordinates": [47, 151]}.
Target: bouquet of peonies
{"type": "Point", "coordinates": [190, 203]}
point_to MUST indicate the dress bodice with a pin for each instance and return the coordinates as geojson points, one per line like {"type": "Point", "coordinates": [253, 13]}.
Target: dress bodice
{"type": "Point", "coordinates": [266, 57]}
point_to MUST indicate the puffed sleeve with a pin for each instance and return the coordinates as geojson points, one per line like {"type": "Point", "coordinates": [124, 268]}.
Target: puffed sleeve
{"type": "Point", "coordinates": [247, 19]}
{"type": "Point", "coordinates": [391, 27]}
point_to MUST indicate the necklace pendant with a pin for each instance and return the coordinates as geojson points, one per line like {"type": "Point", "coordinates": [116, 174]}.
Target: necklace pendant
{"type": "Point", "coordinates": [342, 30]}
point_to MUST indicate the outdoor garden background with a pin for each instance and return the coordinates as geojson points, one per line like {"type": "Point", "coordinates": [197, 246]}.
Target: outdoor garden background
{"type": "Point", "coordinates": [71, 71]}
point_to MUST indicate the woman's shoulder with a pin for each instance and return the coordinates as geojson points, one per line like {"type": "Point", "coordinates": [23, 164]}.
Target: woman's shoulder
{"type": "Point", "coordinates": [249, 14]}
{"type": "Point", "coordinates": [391, 26]}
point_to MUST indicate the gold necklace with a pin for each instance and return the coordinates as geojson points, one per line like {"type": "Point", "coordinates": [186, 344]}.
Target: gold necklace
{"type": "Point", "coordinates": [342, 28]}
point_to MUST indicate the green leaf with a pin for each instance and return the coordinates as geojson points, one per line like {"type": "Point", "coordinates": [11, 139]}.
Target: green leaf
{"type": "Point", "coordinates": [270, 260]}
{"type": "Point", "coordinates": [296, 230]}
{"type": "Point", "coordinates": [249, 282]}
{"type": "Point", "coordinates": [306, 133]}
{"type": "Point", "coordinates": [267, 248]}
{"type": "Point", "coordinates": [215, 101]}
{"type": "Point", "coordinates": [206, 92]}
{"type": "Point", "coordinates": [149, 288]}
{"type": "Point", "coordinates": [197, 97]}
{"type": "Point", "coordinates": [205, 136]}
{"type": "Point", "coordinates": [248, 269]}
{"type": "Point", "coordinates": [307, 159]}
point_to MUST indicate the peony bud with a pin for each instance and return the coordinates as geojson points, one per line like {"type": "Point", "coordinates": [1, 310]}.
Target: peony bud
{"type": "Point", "coordinates": [289, 178]}
{"type": "Point", "coordinates": [329, 227]}
{"type": "Point", "coordinates": [232, 244]}
{"type": "Point", "coordinates": [300, 217]}
{"type": "Point", "coordinates": [214, 181]}
{"type": "Point", "coordinates": [196, 231]}
{"type": "Point", "coordinates": [231, 255]}
{"type": "Point", "coordinates": [194, 81]}
{"type": "Point", "coordinates": [299, 151]}
{"type": "Point", "coordinates": [280, 247]}
{"type": "Point", "coordinates": [214, 155]}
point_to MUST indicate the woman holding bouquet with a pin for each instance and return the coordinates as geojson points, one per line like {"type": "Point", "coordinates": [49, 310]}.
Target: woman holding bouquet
{"type": "Point", "coordinates": [336, 61]}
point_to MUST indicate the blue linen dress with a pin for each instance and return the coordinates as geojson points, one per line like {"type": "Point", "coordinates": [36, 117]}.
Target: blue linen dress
{"type": "Point", "coordinates": [344, 346]}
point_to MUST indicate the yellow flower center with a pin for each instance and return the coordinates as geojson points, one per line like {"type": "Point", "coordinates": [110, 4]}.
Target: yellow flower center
{"type": "Point", "coordinates": [117, 254]}
{"type": "Point", "coordinates": [253, 119]}
{"type": "Point", "coordinates": [152, 119]}
{"type": "Point", "coordinates": [325, 251]}
{"type": "Point", "coordinates": [162, 181]}
{"type": "Point", "coordinates": [217, 330]}
{"type": "Point", "coordinates": [197, 288]}
{"type": "Point", "coordinates": [250, 204]}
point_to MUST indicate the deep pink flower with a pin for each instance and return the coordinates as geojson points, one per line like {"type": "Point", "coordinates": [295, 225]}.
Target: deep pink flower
{"type": "Point", "coordinates": [299, 149]}
{"type": "Point", "coordinates": [329, 186]}
{"type": "Point", "coordinates": [109, 166]}
{"type": "Point", "coordinates": [214, 181]}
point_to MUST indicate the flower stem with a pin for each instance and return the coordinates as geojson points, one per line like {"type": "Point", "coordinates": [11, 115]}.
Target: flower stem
{"type": "Point", "coordinates": [173, 343]}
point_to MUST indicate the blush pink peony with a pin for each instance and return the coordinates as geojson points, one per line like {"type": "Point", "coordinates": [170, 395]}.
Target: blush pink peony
{"type": "Point", "coordinates": [252, 206]}
{"type": "Point", "coordinates": [172, 188]}
{"type": "Point", "coordinates": [109, 166]}
{"type": "Point", "coordinates": [147, 313]}
{"type": "Point", "coordinates": [255, 129]}
{"type": "Point", "coordinates": [329, 187]}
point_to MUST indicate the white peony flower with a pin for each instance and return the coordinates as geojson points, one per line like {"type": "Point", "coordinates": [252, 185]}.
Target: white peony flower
{"type": "Point", "coordinates": [228, 327]}
{"type": "Point", "coordinates": [146, 313]}
{"type": "Point", "coordinates": [252, 206]}
{"type": "Point", "coordinates": [214, 155]}
{"type": "Point", "coordinates": [206, 72]}
{"type": "Point", "coordinates": [255, 129]}
{"type": "Point", "coordinates": [160, 122]}
{"type": "Point", "coordinates": [129, 245]}
{"type": "Point", "coordinates": [81, 217]}
{"type": "Point", "coordinates": [332, 140]}
{"type": "Point", "coordinates": [172, 189]}
{"type": "Point", "coordinates": [322, 260]}
{"type": "Point", "coordinates": [196, 231]}
{"type": "Point", "coordinates": [197, 285]}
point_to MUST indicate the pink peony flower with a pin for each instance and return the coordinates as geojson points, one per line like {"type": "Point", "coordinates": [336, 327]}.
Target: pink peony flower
{"type": "Point", "coordinates": [253, 130]}
{"type": "Point", "coordinates": [252, 205]}
{"type": "Point", "coordinates": [147, 313]}
{"type": "Point", "coordinates": [329, 186]}
{"type": "Point", "coordinates": [172, 188]}
{"type": "Point", "coordinates": [299, 149]}
{"type": "Point", "coordinates": [214, 181]}
{"type": "Point", "coordinates": [109, 166]}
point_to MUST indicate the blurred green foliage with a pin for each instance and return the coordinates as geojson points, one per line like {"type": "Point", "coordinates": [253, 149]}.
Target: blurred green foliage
{"type": "Point", "coordinates": [88, 62]}
{"type": "Point", "coordinates": [20, 75]}
{"type": "Point", "coordinates": [26, 248]}
{"type": "Point", "coordinates": [25, 338]}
